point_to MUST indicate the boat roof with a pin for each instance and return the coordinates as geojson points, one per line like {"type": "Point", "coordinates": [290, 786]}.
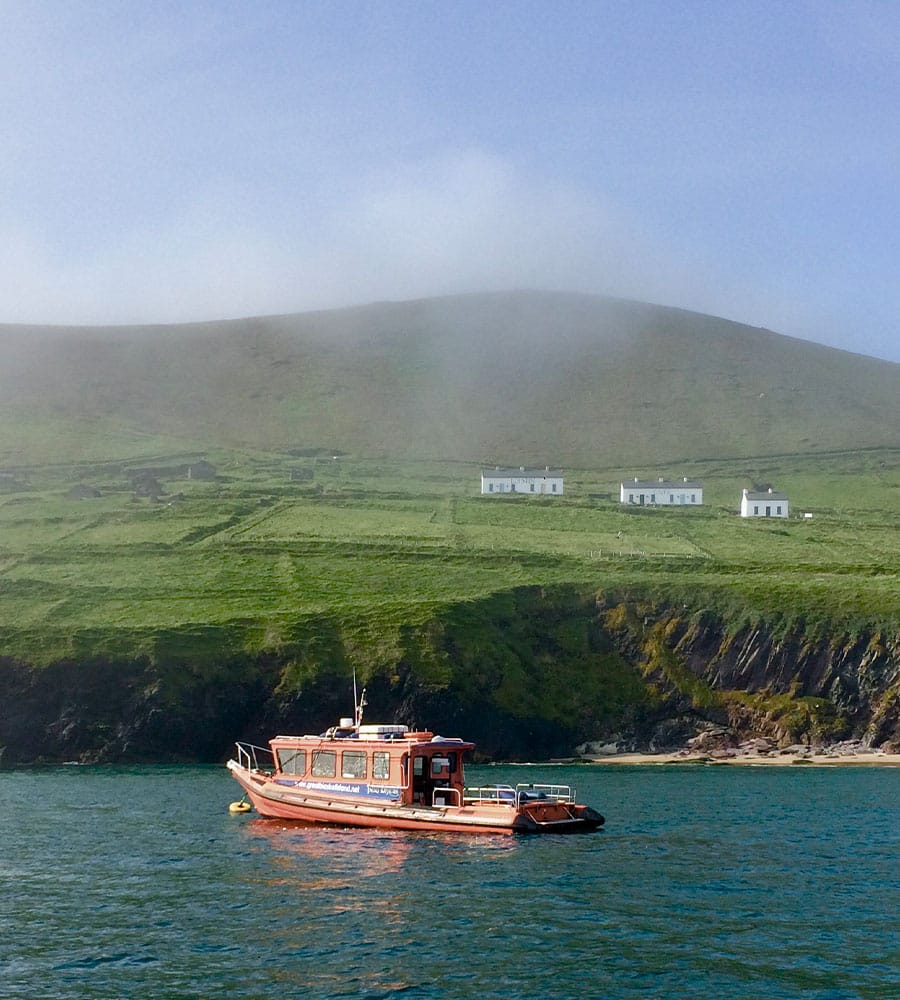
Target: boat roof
{"type": "Point", "coordinates": [377, 734]}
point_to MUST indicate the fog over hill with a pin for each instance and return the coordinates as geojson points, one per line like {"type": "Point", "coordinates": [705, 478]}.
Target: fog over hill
{"type": "Point", "coordinates": [518, 377]}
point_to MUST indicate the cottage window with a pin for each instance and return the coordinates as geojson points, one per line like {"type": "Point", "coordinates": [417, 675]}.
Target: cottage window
{"type": "Point", "coordinates": [381, 765]}
{"type": "Point", "coordinates": [671, 498]}
{"type": "Point", "coordinates": [778, 509]}
{"type": "Point", "coordinates": [554, 487]}
{"type": "Point", "coordinates": [490, 487]}
{"type": "Point", "coordinates": [532, 487]}
{"type": "Point", "coordinates": [292, 761]}
{"type": "Point", "coordinates": [693, 498]}
{"type": "Point", "coordinates": [652, 498]}
{"type": "Point", "coordinates": [323, 763]}
{"type": "Point", "coordinates": [353, 764]}
{"type": "Point", "coordinates": [756, 508]}
{"type": "Point", "coordinates": [512, 487]}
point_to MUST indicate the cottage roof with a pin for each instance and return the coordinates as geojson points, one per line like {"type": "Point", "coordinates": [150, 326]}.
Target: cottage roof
{"type": "Point", "coordinates": [506, 471]}
{"type": "Point", "coordinates": [661, 484]}
{"type": "Point", "coordinates": [764, 495]}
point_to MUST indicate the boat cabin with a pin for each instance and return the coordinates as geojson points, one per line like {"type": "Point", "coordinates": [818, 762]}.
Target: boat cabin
{"type": "Point", "coordinates": [385, 762]}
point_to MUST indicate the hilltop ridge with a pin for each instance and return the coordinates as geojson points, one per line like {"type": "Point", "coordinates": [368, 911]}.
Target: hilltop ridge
{"type": "Point", "coordinates": [569, 379]}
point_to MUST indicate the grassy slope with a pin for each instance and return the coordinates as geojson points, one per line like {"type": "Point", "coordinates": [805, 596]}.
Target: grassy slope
{"type": "Point", "coordinates": [379, 545]}
{"type": "Point", "coordinates": [517, 378]}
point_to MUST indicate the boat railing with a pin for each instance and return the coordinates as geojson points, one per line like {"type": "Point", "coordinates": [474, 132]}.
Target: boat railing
{"type": "Point", "coordinates": [247, 757]}
{"type": "Point", "coordinates": [446, 796]}
{"type": "Point", "coordinates": [552, 793]}
{"type": "Point", "coordinates": [504, 795]}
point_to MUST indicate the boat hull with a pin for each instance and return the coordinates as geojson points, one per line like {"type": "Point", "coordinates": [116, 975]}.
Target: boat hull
{"type": "Point", "coordinates": [277, 801]}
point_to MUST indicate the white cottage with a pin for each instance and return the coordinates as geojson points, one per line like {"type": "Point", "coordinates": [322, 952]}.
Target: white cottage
{"type": "Point", "coordinates": [661, 492]}
{"type": "Point", "coordinates": [531, 482]}
{"type": "Point", "coordinates": [766, 503]}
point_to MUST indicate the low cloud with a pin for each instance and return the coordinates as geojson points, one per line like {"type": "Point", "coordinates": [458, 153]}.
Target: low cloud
{"type": "Point", "coordinates": [467, 221]}
{"type": "Point", "coordinates": [463, 222]}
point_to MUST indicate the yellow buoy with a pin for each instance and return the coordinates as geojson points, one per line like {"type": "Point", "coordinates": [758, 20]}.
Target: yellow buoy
{"type": "Point", "coordinates": [239, 807]}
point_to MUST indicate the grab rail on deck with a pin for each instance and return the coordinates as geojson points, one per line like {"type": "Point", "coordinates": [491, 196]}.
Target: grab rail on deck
{"type": "Point", "coordinates": [445, 796]}
{"type": "Point", "coordinates": [246, 757]}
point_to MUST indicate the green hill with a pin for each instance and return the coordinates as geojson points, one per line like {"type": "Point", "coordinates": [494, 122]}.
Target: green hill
{"type": "Point", "coordinates": [566, 379]}
{"type": "Point", "coordinates": [150, 613]}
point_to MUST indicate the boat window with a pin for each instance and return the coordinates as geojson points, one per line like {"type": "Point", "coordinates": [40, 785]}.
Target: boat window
{"type": "Point", "coordinates": [438, 764]}
{"type": "Point", "coordinates": [381, 765]}
{"type": "Point", "coordinates": [418, 767]}
{"type": "Point", "coordinates": [353, 764]}
{"type": "Point", "coordinates": [323, 763]}
{"type": "Point", "coordinates": [292, 761]}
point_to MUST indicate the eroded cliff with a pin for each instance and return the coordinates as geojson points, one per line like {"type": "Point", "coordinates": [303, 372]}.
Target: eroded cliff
{"type": "Point", "coordinates": [528, 673]}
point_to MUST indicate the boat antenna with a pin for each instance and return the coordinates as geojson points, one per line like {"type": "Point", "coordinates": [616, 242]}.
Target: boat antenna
{"type": "Point", "coordinates": [359, 703]}
{"type": "Point", "coordinates": [359, 708]}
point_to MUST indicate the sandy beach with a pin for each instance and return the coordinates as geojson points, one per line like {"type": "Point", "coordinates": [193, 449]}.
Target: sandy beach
{"type": "Point", "coordinates": [821, 758]}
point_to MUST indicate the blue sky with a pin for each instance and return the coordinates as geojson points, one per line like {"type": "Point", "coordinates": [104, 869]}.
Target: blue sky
{"type": "Point", "coordinates": [168, 161]}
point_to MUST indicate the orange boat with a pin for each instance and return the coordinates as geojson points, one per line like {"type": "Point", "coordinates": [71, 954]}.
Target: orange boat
{"type": "Point", "coordinates": [389, 777]}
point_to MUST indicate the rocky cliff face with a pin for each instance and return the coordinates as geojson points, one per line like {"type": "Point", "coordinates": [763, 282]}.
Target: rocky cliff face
{"type": "Point", "coordinates": [528, 674]}
{"type": "Point", "coordinates": [793, 687]}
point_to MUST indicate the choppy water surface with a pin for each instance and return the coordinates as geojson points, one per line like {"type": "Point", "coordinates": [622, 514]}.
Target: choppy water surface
{"type": "Point", "coordinates": [718, 882]}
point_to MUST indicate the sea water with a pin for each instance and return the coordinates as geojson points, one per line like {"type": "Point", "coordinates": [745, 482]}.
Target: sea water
{"type": "Point", "coordinates": [708, 881]}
